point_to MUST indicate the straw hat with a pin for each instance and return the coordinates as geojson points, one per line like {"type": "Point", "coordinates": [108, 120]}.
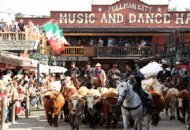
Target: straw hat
{"type": "Point", "coordinates": [98, 65]}
{"type": "Point", "coordinates": [177, 63]}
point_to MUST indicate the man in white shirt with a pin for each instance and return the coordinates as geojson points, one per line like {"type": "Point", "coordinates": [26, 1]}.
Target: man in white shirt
{"type": "Point", "coordinates": [7, 77]}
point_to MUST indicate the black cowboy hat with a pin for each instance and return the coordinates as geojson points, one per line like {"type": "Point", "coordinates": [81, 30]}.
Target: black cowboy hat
{"type": "Point", "coordinates": [164, 66]}
{"type": "Point", "coordinates": [115, 64]}
{"type": "Point", "coordinates": [130, 63]}
{"type": "Point", "coordinates": [73, 63]}
{"type": "Point", "coordinates": [88, 63]}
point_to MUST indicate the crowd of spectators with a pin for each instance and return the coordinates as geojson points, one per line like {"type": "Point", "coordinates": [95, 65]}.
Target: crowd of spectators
{"type": "Point", "coordinates": [32, 30]}
{"type": "Point", "coordinates": [110, 42]}
{"type": "Point", "coordinates": [21, 84]}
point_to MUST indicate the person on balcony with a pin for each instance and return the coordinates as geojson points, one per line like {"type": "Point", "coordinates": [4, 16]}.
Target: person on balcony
{"type": "Point", "coordinates": [21, 26]}
{"type": "Point", "coordinates": [13, 29]}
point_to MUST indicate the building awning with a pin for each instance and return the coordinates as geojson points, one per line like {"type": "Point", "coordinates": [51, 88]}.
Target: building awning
{"type": "Point", "coordinates": [122, 29]}
{"type": "Point", "coordinates": [13, 60]}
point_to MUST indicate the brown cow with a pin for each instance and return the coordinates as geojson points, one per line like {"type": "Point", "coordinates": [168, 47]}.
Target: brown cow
{"type": "Point", "coordinates": [159, 104]}
{"type": "Point", "coordinates": [182, 104]}
{"type": "Point", "coordinates": [53, 103]}
{"type": "Point", "coordinates": [109, 101]}
{"type": "Point", "coordinates": [76, 106]}
{"type": "Point", "coordinates": [171, 98]}
{"type": "Point", "coordinates": [67, 93]}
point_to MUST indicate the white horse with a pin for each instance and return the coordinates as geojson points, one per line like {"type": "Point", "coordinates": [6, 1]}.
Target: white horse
{"type": "Point", "coordinates": [132, 107]}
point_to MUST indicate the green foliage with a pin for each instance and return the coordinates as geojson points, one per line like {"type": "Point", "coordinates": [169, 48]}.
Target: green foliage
{"type": "Point", "coordinates": [187, 9]}
{"type": "Point", "coordinates": [18, 15]}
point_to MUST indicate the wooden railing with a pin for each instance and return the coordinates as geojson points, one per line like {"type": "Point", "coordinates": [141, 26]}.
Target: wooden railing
{"type": "Point", "coordinates": [122, 51]}
{"type": "Point", "coordinates": [107, 51]}
{"type": "Point", "coordinates": [78, 51]}
{"type": "Point", "coordinates": [18, 36]}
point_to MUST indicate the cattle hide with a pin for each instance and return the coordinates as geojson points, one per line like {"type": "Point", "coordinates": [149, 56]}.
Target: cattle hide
{"type": "Point", "coordinates": [159, 104]}
{"type": "Point", "coordinates": [76, 106]}
{"type": "Point", "coordinates": [109, 103]}
{"type": "Point", "coordinates": [182, 104]}
{"type": "Point", "coordinates": [53, 103]}
{"type": "Point", "coordinates": [171, 98]}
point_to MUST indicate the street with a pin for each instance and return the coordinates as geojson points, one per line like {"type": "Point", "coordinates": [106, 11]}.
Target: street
{"type": "Point", "coordinates": [38, 122]}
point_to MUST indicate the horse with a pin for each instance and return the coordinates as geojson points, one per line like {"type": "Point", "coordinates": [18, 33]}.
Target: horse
{"type": "Point", "coordinates": [132, 107]}
{"type": "Point", "coordinates": [112, 79]}
{"type": "Point", "coordinates": [75, 81]}
{"type": "Point", "coordinates": [180, 82]}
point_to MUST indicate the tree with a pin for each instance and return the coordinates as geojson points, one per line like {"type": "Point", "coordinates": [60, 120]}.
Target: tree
{"type": "Point", "coordinates": [175, 8]}
{"type": "Point", "coordinates": [187, 9]}
{"type": "Point", "coordinates": [19, 14]}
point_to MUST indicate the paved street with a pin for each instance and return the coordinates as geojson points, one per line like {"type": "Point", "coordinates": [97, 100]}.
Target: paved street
{"type": "Point", "coordinates": [38, 122]}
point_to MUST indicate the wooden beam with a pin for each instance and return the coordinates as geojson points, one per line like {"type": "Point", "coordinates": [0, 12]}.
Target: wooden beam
{"type": "Point", "coordinates": [114, 34]}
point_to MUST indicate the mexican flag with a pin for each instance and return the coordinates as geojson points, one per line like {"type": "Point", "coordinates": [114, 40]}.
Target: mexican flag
{"type": "Point", "coordinates": [64, 41]}
{"type": "Point", "coordinates": [48, 30]}
{"type": "Point", "coordinates": [58, 45]}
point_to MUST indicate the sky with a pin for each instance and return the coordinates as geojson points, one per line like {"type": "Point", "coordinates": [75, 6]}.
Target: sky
{"type": "Point", "coordinates": [43, 7]}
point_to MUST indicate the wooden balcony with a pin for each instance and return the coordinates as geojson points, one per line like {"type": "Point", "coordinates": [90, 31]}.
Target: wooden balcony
{"type": "Point", "coordinates": [108, 51]}
{"type": "Point", "coordinates": [18, 41]}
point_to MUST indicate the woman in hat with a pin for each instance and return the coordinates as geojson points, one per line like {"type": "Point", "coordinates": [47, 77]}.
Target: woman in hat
{"type": "Point", "coordinates": [133, 73]}
{"type": "Point", "coordinates": [178, 70]}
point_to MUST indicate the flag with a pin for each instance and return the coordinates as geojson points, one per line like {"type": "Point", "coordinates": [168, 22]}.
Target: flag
{"type": "Point", "coordinates": [169, 1]}
{"type": "Point", "coordinates": [57, 42]}
{"type": "Point", "coordinates": [64, 41]}
{"type": "Point", "coordinates": [48, 30]}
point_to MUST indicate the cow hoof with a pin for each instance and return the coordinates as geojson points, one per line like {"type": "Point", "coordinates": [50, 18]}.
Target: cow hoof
{"type": "Point", "coordinates": [66, 120]}
{"type": "Point", "coordinates": [50, 123]}
{"type": "Point", "coordinates": [55, 125]}
{"type": "Point", "coordinates": [171, 117]}
{"type": "Point", "coordinates": [93, 127]}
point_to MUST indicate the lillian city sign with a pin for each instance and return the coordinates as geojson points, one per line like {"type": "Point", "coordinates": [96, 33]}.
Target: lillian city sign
{"type": "Point", "coordinates": [124, 13]}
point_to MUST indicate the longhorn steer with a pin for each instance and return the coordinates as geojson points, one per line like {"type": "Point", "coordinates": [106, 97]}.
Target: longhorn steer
{"type": "Point", "coordinates": [53, 103]}
{"type": "Point", "coordinates": [159, 104]}
{"type": "Point", "coordinates": [75, 105]}
{"type": "Point", "coordinates": [182, 104]}
{"type": "Point", "coordinates": [109, 101]}
{"type": "Point", "coordinates": [93, 107]}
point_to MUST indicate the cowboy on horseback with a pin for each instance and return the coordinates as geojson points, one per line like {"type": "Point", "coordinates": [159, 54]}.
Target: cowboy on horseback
{"type": "Point", "coordinates": [98, 71]}
{"type": "Point", "coordinates": [164, 75]}
{"type": "Point", "coordinates": [178, 70]}
{"type": "Point", "coordinates": [112, 76]}
{"type": "Point", "coordinates": [85, 73]}
{"type": "Point", "coordinates": [178, 75]}
{"type": "Point", "coordinates": [133, 73]}
{"type": "Point", "coordinates": [74, 71]}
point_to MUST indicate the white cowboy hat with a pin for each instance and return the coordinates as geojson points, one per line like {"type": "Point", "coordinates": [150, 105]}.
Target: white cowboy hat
{"type": "Point", "coordinates": [177, 63]}
{"type": "Point", "coordinates": [98, 64]}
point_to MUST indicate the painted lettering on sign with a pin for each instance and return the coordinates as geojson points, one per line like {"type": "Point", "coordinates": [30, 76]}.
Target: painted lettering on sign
{"type": "Point", "coordinates": [133, 6]}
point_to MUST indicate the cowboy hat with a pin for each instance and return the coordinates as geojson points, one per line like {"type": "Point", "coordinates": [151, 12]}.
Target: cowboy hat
{"type": "Point", "coordinates": [73, 63]}
{"type": "Point", "coordinates": [177, 63]}
{"type": "Point", "coordinates": [98, 64]}
{"type": "Point", "coordinates": [115, 65]}
{"type": "Point", "coordinates": [88, 63]}
{"type": "Point", "coordinates": [164, 66]}
{"type": "Point", "coordinates": [130, 63]}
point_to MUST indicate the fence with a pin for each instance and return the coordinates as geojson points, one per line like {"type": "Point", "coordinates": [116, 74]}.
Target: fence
{"type": "Point", "coordinates": [19, 36]}
{"type": "Point", "coordinates": [13, 110]}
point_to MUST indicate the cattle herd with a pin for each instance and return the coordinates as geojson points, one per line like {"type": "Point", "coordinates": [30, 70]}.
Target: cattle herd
{"type": "Point", "coordinates": [95, 106]}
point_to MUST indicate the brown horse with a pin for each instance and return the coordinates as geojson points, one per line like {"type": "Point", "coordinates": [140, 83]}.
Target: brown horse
{"type": "Point", "coordinates": [99, 81]}
{"type": "Point", "coordinates": [180, 82]}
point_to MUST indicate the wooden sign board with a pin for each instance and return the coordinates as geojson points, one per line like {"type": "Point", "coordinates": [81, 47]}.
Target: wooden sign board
{"type": "Point", "coordinates": [16, 45]}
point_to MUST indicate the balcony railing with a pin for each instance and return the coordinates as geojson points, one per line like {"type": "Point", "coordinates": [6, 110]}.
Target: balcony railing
{"type": "Point", "coordinates": [108, 51]}
{"type": "Point", "coordinates": [18, 36]}
{"type": "Point", "coordinates": [122, 51]}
